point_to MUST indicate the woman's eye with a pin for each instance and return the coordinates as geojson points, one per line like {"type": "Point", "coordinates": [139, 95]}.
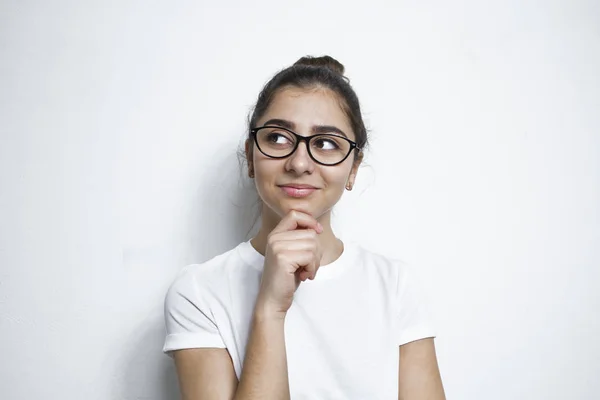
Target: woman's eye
{"type": "Point", "coordinates": [326, 144]}
{"type": "Point", "coordinates": [278, 138]}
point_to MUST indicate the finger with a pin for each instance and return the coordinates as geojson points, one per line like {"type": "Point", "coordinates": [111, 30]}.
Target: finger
{"type": "Point", "coordinates": [297, 235]}
{"type": "Point", "coordinates": [317, 260]}
{"type": "Point", "coordinates": [297, 219]}
{"type": "Point", "coordinates": [304, 261]}
{"type": "Point", "coordinates": [307, 272]}
{"type": "Point", "coordinates": [317, 265]}
{"type": "Point", "coordinates": [287, 246]}
{"type": "Point", "coordinates": [312, 246]}
{"type": "Point", "coordinates": [303, 275]}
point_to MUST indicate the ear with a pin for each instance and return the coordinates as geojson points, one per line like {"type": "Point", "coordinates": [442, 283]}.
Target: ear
{"type": "Point", "coordinates": [354, 170]}
{"type": "Point", "coordinates": [249, 160]}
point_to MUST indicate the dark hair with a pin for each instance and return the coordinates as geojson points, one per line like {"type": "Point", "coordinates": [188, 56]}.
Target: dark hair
{"type": "Point", "coordinates": [309, 72]}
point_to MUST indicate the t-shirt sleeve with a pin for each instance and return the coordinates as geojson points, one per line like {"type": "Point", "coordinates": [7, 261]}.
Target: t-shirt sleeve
{"type": "Point", "coordinates": [188, 320]}
{"type": "Point", "coordinates": [414, 321]}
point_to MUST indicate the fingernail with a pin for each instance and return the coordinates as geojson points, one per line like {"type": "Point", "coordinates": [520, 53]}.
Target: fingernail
{"type": "Point", "coordinates": [319, 227]}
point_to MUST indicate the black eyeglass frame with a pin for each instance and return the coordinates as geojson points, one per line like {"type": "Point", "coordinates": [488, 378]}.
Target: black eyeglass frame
{"type": "Point", "coordinates": [306, 139]}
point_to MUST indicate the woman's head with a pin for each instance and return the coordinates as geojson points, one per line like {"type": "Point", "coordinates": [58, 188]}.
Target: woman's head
{"type": "Point", "coordinates": [310, 98]}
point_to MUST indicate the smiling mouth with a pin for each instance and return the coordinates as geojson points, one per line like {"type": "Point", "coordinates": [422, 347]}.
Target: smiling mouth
{"type": "Point", "coordinates": [298, 192]}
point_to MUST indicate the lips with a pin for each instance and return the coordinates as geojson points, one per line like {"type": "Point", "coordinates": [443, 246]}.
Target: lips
{"type": "Point", "coordinates": [298, 186]}
{"type": "Point", "coordinates": [297, 190]}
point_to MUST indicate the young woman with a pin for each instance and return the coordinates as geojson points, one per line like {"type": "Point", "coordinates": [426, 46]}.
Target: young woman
{"type": "Point", "coordinates": [295, 313]}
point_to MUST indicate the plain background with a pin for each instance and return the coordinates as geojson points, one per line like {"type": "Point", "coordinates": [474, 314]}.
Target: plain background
{"type": "Point", "coordinates": [120, 122]}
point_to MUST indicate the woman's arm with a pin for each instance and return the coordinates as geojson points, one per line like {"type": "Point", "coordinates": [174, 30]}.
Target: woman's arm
{"type": "Point", "coordinates": [208, 374]}
{"type": "Point", "coordinates": [418, 374]}
{"type": "Point", "coordinates": [265, 373]}
{"type": "Point", "coordinates": [205, 374]}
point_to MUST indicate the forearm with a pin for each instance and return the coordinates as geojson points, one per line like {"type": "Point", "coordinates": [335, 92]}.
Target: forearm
{"type": "Point", "coordinates": [264, 374]}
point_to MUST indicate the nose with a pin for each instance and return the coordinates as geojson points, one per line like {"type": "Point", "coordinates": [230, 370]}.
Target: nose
{"type": "Point", "coordinates": [299, 161]}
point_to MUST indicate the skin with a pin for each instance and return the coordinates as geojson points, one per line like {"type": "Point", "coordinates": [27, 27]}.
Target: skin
{"type": "Point", "coordinates": [296, 238]}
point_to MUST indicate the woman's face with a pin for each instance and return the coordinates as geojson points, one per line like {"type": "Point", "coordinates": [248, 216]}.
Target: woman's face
{"type": "Point", "coordinates": [302, 110]}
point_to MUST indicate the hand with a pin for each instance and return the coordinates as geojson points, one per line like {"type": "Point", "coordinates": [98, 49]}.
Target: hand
{"type": "Point", "coordinates": [293, 254]}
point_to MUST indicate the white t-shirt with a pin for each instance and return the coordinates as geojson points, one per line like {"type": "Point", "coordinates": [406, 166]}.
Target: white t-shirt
{"type": "Point", "coordinates": [342, 331]}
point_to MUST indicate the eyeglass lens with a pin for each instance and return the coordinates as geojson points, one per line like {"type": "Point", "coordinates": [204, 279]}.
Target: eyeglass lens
{"type": "Point", "coordinates": [326, 149]}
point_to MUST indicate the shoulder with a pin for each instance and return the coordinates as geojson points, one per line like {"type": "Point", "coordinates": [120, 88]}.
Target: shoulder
{"type": "Point", "coordinates": [393, 268]}
{"type": "Point", "coordinates": [209, 275]}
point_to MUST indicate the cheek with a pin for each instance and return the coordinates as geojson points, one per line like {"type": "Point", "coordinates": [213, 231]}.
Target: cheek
{"type": "Point", "coordinates": [266, 173]}
{"type": "Point", "coordinates": [338, 174]}
{"type": "Point", "coordinates": [336, 179]}
{"type": "Point", "coordinates": [267, 167]}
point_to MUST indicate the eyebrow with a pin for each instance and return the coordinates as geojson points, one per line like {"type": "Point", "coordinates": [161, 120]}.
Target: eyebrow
{"type": "Point", "coordinates": [316, 129]}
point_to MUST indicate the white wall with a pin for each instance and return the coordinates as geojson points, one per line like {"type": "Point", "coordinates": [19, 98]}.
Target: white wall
{"type": "Point", "coordinates": [119, 125]}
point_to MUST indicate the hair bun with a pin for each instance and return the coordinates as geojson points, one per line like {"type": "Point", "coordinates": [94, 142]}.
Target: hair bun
{"type": "Point", "coordinates": [323, 61]}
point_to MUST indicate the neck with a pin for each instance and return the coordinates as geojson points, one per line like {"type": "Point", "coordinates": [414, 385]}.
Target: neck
{"type": "Point", "coordinates": [331, 245]}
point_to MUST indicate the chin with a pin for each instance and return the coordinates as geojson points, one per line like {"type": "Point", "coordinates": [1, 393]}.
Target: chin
{"type": "Point", "coordinates": [281, 205]}
{"type": "Point", "coordinates": [282, 208]}
{"type": "Point", "coordinates": [286, 207]}
{"type": "Point", "coordinates": [305, 207]}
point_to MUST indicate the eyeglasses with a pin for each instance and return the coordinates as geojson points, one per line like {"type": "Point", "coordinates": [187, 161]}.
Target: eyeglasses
{"type": "Point", "coordinates": [325, 149]}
